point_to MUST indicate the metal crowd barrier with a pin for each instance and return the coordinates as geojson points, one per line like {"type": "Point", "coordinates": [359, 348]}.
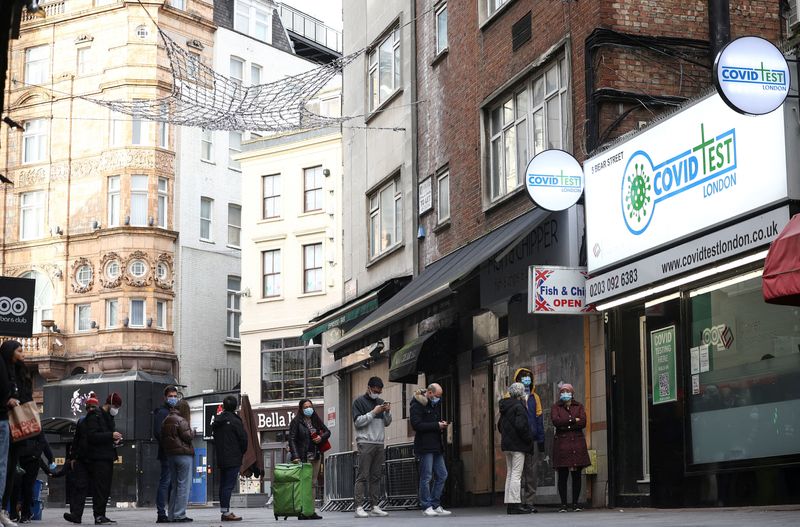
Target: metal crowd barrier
{"type": "Point", "coordinates": [399, 483]}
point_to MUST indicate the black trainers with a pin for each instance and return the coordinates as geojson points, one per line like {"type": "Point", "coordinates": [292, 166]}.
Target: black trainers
{"type": "Point", "coordinates": [70, 518]}
{"type": "Point", "coordinates": [162, 519]}
{"type": "Point", "coordinates": [103, 520]}
{"type": "Point", "coordinates": [563, 508]}
{"type": "Point", "coordinates": [576, 508]}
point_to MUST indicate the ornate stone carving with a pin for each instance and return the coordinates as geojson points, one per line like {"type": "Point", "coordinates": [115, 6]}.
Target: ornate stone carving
{"type": "Point", "coordinates": [107, 281]}
{"type": "Point", "coordinates": [30, 176]}
{"type": "Point", "coordinates": [165, 162]}
{"type": "Point", "coordinates": [59, 171]}
{"type": "Point", "coordinates": [77, 286]}
{"type": "Point", "coordinates": [138, 281]}
{"type": "Point", "coordinates": [167, 282]}
{"type": "Point", "coordinates": [54, 271]}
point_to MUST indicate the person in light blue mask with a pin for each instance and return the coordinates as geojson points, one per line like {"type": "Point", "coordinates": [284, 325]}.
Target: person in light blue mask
{"type": "Point", "coordinates": [427, 422]}
{"type": "Point", "coordinates": [159, 414]}
{"type": "Point", "coordinates": [570, 454]}
{"type": "Point", "coordinates": [308, 436]}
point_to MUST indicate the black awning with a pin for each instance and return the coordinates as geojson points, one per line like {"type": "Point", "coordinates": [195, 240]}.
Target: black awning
{"type": "Point", "coordinates": [427, 353]}
{"type": "Point", "coordinates": [434, 283]}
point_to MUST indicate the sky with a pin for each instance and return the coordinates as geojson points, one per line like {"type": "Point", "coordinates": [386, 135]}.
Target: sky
{"type": "Point", "coordinates": [329, 11]}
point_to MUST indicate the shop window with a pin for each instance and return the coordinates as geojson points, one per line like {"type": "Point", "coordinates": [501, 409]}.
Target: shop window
{"type": "Point", "coordinates": [290, 370]}
{"type": "Point", "coordinates": [744, 374]}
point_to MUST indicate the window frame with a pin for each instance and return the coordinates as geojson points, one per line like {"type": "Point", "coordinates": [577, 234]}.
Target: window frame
{"type": "Point", "coordinates": [206, 142]}
{"type": "Point", "coordinates": [79, 309]}
{"type": "Point", "coordinates": [162, 202]}
{"type": "Point", "coordinates": [143, 303]}
{"type": "Point", "coordinates": [37, 208]}
{"type": "Point", "coordinates": [139, 193]}
{"type": "Point", "coordinates": [312, 385]}
{"type": "Point", "coordinates": [161, 314]}
{"type": "Point", "coordinates": [319, 267]}
{"type": "Point", "coordinates": [253, 10]}
{"type": "Point", "coordinates": [533, 121]}
{"type": "Point", "coordinates": [112, 321]}
{"type": "Point", "coordinates": [234, 59]}
{"type": "Point", "coordinates": [144, 268]}
{"type": "Point", "coordinates": [375, 212]}
{"type": "Point", "coordinates": [35, 131]}
{"type": "Point", "coordinates": [439, 178]}
{"type": "Point", "coordinates": [233, 150]}
{"type": "Point", "coordinates": [238, 227]}
{"type": "Point", "coordinates": [275, 255]}
{"type": "Point", "coordinates": [36, 71]}
{"type": "Point", "coordinates": [83, 275]}
{"type": "Point", "coordinates": [316, 192]}
{"type": "Point", "coordinates": [113, 200]}
{"type": "Point", "coordinates": [276, 187]}
{"type": "Point", "coordinates": [233, 309]}
{"type": "Point", "coordinates": [82, 65]}
{"type": "Point", "coordinates": [438, 10]}
{"type": "Point", "coordinates": [209, 220]}
{"type": "Point", "coordinates": [256, 68]}
{"type": "Point", "coordinates": [376, 99]}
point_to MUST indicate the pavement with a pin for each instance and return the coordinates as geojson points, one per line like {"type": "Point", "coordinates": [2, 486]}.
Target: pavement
{"type": "Point", "coordinates": [206, 516]}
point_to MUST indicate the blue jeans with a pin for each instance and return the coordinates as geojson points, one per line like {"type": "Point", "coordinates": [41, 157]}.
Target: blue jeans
{"type": "Point", "coordinates": [162, 495]}
{"type": "Point", "coordinates": [431, 466]}
{"type": "Point", "coordinates": [5, 441]}
{"type": "Point", "coordinates": [228, 477]}
{"type": "Point", "coordinates": [180, 470]}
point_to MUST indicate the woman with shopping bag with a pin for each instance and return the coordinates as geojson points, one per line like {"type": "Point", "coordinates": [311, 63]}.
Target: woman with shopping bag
{"type": "Point", "coordinates": [308, 439]}
{"type": "Point", "coordinates": [8, 350]}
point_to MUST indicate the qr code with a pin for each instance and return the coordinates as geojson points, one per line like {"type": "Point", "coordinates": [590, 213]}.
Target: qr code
{"type": "Point", "coordinates": [663, 384]}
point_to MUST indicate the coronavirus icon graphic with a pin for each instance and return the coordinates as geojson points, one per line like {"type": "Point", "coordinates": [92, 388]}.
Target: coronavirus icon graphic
{"type": "Point", "coordinates": [637, 193]}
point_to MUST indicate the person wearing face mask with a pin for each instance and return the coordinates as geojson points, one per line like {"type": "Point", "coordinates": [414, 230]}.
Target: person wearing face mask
{"type": "Point", "coordinates": [371, 416]}
{"type": "Point", "coordinates": [570, 454]}
{"type": "Point", "coordinates": [76, 465]}
{"type": "Point", "coordinates": [159, 414]}
{"type": "Point", "coordinates": [230, 444]}
{"type": "Point", "coordinates": [533, 405]}
{"type": "Point", "coordinates": [307, 433]}
{"type": "Point", "coordinates": [102, 439]}
{"type": "Point", "coordinates": [427, 422]}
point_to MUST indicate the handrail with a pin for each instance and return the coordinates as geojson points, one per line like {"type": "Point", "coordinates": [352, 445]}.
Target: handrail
{"type": "Point", "coordinates": [310, 28]}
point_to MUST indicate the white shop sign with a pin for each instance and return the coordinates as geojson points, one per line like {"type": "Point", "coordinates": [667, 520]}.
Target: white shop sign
{"type": "Point", "coordinates": [556, 290]}
{"type": "Point", "coordinates": [554, 180]}
{"type": "Point", "coordinates": [698, 168]}
{"type": "Point", "coordinates": [730, 241]}
{"type": "Point", "coordinates": [425, 196]}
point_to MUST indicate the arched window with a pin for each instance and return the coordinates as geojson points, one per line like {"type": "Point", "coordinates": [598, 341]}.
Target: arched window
{"type": "Point", "coordinates": [43, 299]}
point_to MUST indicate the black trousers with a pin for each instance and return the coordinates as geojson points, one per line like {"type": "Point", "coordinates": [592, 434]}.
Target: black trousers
{"type": "Point", "coordinates": [27, 480]}
{"type": "Point", "coordinates": [100, 474]}
{"type": "Point", "coordinates": [562, 485]}
{"type": "Point", "coordinates": [11, 477]}
{"type": "Point", "coordinates": [77, 488]}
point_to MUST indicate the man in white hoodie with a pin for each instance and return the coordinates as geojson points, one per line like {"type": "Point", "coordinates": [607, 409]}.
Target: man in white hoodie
{"type": "Point", "coordinates": [371, 416]}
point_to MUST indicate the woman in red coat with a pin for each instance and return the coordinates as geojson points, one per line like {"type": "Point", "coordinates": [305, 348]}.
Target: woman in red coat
{"type": "Point", "coordinates": [570, 454]}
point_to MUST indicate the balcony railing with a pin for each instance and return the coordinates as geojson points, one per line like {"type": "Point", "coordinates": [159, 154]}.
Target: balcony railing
{"type": "Point", "coordinates": [40, 344]}
{"type": "Point", "coordinates": [311, 28]}
{"type": "Point", "coordinates": [53, 8]}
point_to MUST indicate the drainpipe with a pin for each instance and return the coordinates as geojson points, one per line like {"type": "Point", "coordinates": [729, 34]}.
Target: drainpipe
{"type": "Point", "coordinates": [415, 243]}
{"type": "Point", "coordinates": [719, 25]}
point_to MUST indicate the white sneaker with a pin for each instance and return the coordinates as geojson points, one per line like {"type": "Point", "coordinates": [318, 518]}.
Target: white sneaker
{"type": "Point", "coordinates": [429, 512]}
{"type": "Point", "coordinates": [5, 520]}
{"type": "Point", "coordinates": [361, 513]}
{"type": "Point", "coordinates": [441, 512]}
{"type": "Point", "coordinates": [377, 511]}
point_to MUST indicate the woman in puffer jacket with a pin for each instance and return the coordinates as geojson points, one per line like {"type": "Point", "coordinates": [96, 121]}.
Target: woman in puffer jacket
{"type": "Point", "coordinates": [517, 441]}
{"type": "Point", "coordinates": [176, 440]}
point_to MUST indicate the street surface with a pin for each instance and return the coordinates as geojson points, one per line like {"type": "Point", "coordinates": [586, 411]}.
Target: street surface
{"type": "Point", "coordinates": [761, 517]}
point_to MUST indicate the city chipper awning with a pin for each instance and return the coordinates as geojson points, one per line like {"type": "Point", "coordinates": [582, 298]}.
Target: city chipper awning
{"type": "Point", "coordinates": [781, 280]}
{"type": "Point", "coordinates": [434, 283]}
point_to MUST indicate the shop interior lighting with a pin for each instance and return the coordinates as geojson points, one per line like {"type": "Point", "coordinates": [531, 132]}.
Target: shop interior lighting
{"type": "Point", "coordinates": [726, 283]}
{"type": "Point", "coordinates": [661, 300]}
{"type": "Point", "coordinates": [682, 281]}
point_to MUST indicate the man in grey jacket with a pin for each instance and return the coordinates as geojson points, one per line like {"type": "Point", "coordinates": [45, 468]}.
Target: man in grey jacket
{"type": "Point", "coordinates": [371, 416]}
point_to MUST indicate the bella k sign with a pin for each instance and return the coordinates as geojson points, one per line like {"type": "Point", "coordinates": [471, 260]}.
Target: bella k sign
{"type": "Point", "coordinates": [695, 170]}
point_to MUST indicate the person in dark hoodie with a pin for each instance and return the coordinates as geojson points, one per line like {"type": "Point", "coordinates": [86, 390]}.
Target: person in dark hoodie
{"type": "Point", "coordinates": [30, 460]}
{"type": "Point", "coordinates": [533, 405]}
{"type": "Point", "coordinates": [22, 390]}
{"type": "Point", "coordinates": [517, 441]}
{"type": "Point", "coordinates": [8, 350]}
{"type": "Point", "coordinates": [159, 414]}
{"type": "Point", "coordinates": [307, 433]}
{"type": "Point", "coordinates": [230, 444]}
{"type": "Point", "coordinates": [101, 452]}
{"type": "Point", "coordinates": [428, 425]}
{"type": "Point", "coordinates": [76, 465]}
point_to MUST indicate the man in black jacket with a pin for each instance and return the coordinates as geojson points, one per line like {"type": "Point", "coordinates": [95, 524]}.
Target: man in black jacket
{"type": "Point", "coordinates": [230, 444]}
{"type": "Point", "coordinates": [159, 414]}
{"type": "Point", "coordinates": [102, 439]}
{"type": "Point", "coordinates": [426, 420]}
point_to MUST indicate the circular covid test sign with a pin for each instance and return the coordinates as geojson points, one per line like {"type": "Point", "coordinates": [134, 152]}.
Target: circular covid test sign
{"type": "Point", "coordinates": [752, 76]}
{"type": "Point", "coordinates": [554, 180]}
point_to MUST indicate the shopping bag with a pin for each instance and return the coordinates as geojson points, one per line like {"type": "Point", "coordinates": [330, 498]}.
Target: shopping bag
{"type": "Point", "coordinates": [24, 421]}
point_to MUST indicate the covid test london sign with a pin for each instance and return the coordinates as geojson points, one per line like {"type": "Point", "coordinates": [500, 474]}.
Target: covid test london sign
{"type": "Point", "coordinates": [697, 169]}
{"type": "Point", "coordinates": [752, 76]}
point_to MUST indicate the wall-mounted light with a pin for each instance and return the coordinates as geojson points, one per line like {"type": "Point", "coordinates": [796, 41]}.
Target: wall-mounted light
{"type": "Point", "coordinates": [58, 273]}
{"type": "Point", "coordinates": [95, 224]}
{"type": "Point", "coordinates": [93, 324]}
{"type": "Point", "coordinates": [4, 179]}
{"type": "Point", "coordinates": [376, 350]}
{"type": "Point", "coordinates": [125, 322]}
{"type": "Point", "coordinates": [57, 231]}
{"type": "Point", "coordinates": [12, 123]}
{"type": "Point", "coordinates": [245, 292]}
{"type": "Point", "coordinates": [326, 172]}
{"type": "Point", "coordinates": [151, 221]}
{"type": "Point", "coordinates": [421, 233]}
{"type": "Point", "coordinates": [149, 322]}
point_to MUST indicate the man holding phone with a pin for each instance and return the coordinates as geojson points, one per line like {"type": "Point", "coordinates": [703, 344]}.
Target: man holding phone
{"type": "Point", "coordinates": [371, 416]}
{"type": "Point", "coordinates": [427, 422]}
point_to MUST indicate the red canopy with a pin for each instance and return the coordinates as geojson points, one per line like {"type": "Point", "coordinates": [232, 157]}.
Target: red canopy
{"type": "Point", "coordinates": [781, 283]}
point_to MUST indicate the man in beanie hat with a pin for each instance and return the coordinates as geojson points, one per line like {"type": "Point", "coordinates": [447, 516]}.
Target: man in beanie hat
{"type": "Point", "coordinates": [371, 416]}
{"type": "Point", "coordinates": [103, 439]}
{"type": "Point", "coordinates": [533, 404]}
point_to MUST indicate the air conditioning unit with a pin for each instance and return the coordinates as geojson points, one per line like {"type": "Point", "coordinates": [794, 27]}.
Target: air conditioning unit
{"type": "Point", "coordinates": [793, 18]}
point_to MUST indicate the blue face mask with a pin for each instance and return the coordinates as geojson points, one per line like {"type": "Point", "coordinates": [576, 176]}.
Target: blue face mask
{"type": "Point", "coordinates": [435, 400]}
{"type": "Point", "coordinates": [308, 412]}
{"type": "Point", "coordinates": [172, 401]}
{"type": "Point", "coordinates": [566, 396]}
{"type": "Point", "coordinates": [526, 381]}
